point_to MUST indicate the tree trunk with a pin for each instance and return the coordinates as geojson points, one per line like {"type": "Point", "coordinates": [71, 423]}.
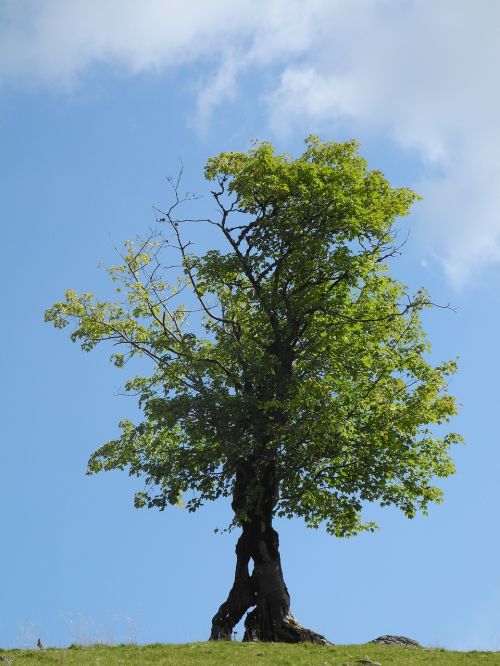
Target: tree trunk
{"type": "Point", "coordinates": [241, 596]}
{"type": "Point", "coordinates": [264, 591]}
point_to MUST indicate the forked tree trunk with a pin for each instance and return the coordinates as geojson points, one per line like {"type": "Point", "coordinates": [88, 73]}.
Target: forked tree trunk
{"type": "Point", "coordinates": [264, 590]}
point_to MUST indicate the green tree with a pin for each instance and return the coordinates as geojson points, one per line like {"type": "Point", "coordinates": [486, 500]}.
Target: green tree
{"type": "Point", "coordinates": [302, 389]}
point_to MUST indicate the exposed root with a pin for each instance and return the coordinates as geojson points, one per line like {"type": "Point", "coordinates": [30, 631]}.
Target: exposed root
{"type": "Point", "coordinates": [288, 630]}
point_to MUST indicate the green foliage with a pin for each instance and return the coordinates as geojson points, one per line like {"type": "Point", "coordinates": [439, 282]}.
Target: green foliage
{"type": "Point", "coordinates": [309, 355]}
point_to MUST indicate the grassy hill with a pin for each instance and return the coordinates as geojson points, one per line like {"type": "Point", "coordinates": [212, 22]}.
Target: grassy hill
{"type": "Point", "coordinates": [246, 654]}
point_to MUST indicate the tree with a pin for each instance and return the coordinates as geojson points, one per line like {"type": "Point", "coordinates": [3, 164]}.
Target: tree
{"type": "Point", "coordinates": [298, 384]}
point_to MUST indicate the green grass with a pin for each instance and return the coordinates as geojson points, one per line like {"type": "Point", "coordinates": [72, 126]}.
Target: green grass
{"type": "Point", "coordinates": [246, 654]}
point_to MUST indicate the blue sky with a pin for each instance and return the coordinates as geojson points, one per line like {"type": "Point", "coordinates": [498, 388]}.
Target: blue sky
{"type": "Point", "coordinates": [99, 102]}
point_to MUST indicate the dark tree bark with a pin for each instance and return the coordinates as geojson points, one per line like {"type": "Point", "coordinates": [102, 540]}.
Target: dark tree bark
{"type": "Point", "coordinates": [264, 591]}
{"type": "Point", "coordinates": [241, 596]}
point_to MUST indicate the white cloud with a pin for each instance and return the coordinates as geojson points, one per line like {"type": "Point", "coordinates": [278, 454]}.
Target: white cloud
{"type": "Point", "coordinates": [422, 72]}
{"type": "Point", "coordinates": [426, 75]}
{"type": "Point", "coordinates": [54, 40]}
{"type": "Point", "coordinates": [220, 87]}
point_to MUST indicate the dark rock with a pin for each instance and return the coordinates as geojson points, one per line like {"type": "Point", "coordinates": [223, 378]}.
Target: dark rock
{"type": "Point", "coordinates": [401, 641]}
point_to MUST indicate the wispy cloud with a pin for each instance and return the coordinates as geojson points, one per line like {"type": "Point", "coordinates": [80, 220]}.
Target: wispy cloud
{"type": "Point", "coordinates": [422, 72]}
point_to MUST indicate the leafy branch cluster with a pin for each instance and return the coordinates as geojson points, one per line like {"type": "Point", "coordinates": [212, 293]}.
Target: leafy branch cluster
{"type": "Point", "coordinates": [310, 359]}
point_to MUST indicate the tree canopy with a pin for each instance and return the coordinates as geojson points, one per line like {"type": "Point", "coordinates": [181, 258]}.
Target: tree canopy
{"type": "Point", "coordinates": [311, 353]}
{"type": "Point", "coordinates": [297, 368]}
